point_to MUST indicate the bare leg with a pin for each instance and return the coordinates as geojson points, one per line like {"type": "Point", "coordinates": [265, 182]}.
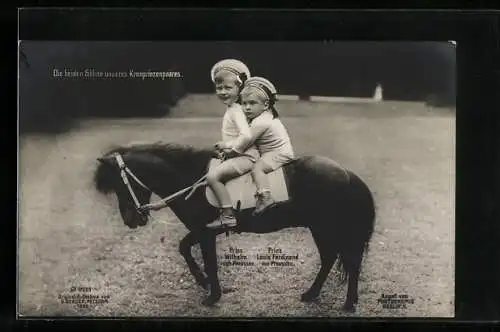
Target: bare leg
{"type": "Point", "coordinates": [226, 171]}
{"type": "Point", "coordinates": [216, 179]}
{"type": "Point", "coordinates": [219, 190]}
{"type": "Point", "coordinates": [264, 198]}
{"type": "Point", "coordinates": [260, 178]}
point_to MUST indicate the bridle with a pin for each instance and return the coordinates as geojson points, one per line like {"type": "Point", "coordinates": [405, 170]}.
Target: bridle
{"type": "Point", "coordinates": [124, 170]}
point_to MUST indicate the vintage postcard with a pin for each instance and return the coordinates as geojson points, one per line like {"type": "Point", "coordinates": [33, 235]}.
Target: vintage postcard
{"type": "Point", "coordinates": [236, 179]}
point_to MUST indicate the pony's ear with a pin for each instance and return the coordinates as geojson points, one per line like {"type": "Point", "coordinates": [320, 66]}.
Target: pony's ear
{"type": "Point", "coordinates": [107, 160]}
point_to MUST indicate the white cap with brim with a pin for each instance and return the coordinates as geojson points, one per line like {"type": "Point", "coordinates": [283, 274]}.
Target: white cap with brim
{"type": "Point", "coordinates": [263, 84]}
{"type": "Point", "coordinates": [232, 65]}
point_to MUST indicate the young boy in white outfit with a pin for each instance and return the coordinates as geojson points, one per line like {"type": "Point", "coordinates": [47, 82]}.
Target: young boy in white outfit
{"type": "Point", "coordinates": [229, 76]}
{"type": "Point", "coordinates": [267, 133]}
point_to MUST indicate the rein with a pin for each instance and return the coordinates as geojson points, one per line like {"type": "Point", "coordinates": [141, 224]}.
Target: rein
{"type": "Point", "coordinates": [124, 170]}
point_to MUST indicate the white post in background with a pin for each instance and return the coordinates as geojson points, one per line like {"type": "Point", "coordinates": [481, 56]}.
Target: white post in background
{"type": "Point", "coordinates": [377, 95]}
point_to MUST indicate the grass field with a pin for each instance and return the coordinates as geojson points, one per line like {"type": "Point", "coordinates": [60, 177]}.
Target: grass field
{"type": "Point", "coordinates": [72, 236]}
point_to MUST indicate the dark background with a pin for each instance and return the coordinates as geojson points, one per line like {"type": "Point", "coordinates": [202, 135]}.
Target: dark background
{"type": "Point", "coordinates": [412, 71]}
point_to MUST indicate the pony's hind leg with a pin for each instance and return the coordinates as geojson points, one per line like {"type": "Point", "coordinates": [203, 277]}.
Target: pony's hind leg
{"type": "Point", "coordinates": [352, 266]}
{"type": "Point", "coordinates": [185, 250]}
{"type": "Point", "coordinates": [327, 255]}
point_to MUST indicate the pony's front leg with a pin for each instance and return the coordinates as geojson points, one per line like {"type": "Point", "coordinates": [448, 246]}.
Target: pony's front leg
{"type": "Point", "coordinates": [185, 249]}
{"type": "Point", "coordinates": [208, 249]}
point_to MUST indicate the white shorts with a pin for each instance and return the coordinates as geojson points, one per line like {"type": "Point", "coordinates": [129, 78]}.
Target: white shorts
{"type": "Point", "coordinates": [237, 165]}
{"type": "Point", "coordinates": [273, 160]}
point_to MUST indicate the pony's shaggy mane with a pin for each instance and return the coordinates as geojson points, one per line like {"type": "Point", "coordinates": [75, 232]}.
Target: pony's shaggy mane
{"type": "Point", "coordinates": [165, 151]}
{"type": "Point", "coordinates": [181, 154]}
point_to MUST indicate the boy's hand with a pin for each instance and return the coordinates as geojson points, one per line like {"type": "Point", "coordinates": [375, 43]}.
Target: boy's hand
{"type": "Point", "coordinates": [219, 154]}
{"type": "Point", "coordinates": [152, 206]}
{"type": "Point", "coordinates": [221, 145]}
{"type": "Point", "coordinates": [230, 153]}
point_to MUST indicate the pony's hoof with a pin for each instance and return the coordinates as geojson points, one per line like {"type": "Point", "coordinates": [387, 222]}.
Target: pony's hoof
{"type": "Point", "coordinates": [309, 297]}
{"type": "Point", "coordinates": [349, 308]}
{"type": "Point", "coordinates": [228, 290]}
{"type": "Point", "coordinates": [210, 301]}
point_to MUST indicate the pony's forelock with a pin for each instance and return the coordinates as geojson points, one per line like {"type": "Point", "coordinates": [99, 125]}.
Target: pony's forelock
{"type": "Point", "coordinates": [103, 178]}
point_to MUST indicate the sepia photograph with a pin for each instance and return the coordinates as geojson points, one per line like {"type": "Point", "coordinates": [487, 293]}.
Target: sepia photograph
{"type": "Point", "coordinates": [222, 179]}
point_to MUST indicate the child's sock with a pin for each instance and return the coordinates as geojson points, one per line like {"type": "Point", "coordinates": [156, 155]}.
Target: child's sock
{"type": "Point", "coordinates": [227, 212]}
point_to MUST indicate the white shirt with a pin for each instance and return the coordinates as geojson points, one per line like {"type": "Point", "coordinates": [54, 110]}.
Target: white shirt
{"type": "Point", "coordinates": [269, 134]}
{"type": "Point", "coordinates": [236, 130]}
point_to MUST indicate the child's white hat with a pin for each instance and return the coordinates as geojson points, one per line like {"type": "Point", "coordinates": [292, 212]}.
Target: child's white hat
{"type": "Point", "coordinates": [232, 65]}
{"type": "Point", "coordinates": [263, 84]}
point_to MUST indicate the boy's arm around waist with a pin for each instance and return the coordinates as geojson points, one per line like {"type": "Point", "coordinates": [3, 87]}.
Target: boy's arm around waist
{"type": "Point", "coordinates": [257, 128]}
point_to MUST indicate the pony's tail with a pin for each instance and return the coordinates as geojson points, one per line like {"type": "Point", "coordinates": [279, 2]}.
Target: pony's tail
{"type": "Point", "coordinates": [342, 261]}
{"type": "Point", "coordinates": [353, 250]}
{"type": "Point", "coordinates": [342, 272]}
